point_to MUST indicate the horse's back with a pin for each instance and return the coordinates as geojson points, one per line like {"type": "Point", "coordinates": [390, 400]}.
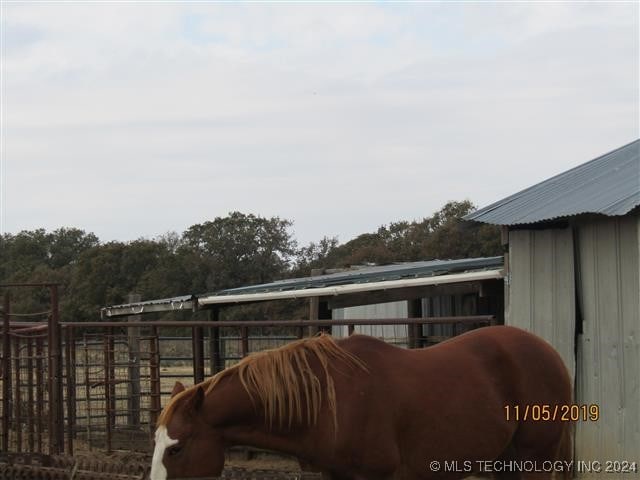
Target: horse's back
{"type": "Point", "coordinates": [516, 364]}
{"type": "Point", "coordinates": [515, 353]}
{"type": "Point", "coordinates": [448, 401]}
{"type": "Point", "coordinates": [505, 349]}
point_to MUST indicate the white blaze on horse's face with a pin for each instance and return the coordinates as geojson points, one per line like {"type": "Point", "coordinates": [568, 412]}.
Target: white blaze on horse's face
{"type": "Point", "coordinates": [163, 441]}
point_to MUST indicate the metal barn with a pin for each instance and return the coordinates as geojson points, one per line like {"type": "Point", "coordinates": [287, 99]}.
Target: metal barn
{"type": "Point", "coordinates": [469, 295]}
{"type": "Point", "coordinates": [572, 277]}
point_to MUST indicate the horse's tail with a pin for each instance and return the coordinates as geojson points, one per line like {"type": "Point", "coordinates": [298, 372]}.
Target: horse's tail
{"type": "Point", "coordinates": [565, 451]}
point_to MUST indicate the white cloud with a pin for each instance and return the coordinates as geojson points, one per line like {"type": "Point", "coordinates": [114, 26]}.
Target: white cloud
{"type": "Point", "coordinates": [132, 120]}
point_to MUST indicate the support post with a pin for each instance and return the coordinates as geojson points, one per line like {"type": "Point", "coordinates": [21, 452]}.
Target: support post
{"type": "Point", "coordinates": [414, 310]}
{"type": "Point", "coordinates": [506, 307]}
{"type": "Point", "coordinates": [314, 314]}
{"type": "Point", "coordinates": [215, 364]}
{"type": "Point", "coordinates": [244, 341]}
{"type": "Point", "coordinates": [324, 313]}
{"type": "Point", "coordinates": [198, 354]}
{"type": "Point", "coordinates": [314, 305]}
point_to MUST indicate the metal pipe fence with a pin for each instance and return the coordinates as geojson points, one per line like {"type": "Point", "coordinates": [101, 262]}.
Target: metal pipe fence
{"type": "Point", "coordinates": [101, 385]}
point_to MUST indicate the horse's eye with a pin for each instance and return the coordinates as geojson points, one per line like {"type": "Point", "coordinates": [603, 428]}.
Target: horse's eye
{"type": "Point", "coordinates": [174, 450]}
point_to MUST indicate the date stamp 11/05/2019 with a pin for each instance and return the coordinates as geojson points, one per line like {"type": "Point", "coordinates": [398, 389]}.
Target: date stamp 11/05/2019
{"type": "Point", "coordinates": [552, 413]}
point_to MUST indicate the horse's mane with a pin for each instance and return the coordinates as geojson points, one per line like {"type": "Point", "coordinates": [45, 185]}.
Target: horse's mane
{"type": "Point", "coordinates": [283, 381]}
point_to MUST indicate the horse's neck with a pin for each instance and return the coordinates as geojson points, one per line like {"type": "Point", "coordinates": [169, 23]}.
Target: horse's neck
{"type": "Point", "coordinates": [244, 423]}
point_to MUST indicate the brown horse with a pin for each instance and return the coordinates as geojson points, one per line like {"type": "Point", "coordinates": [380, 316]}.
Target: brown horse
{"type": "Point", "coordinates": [359, 408]}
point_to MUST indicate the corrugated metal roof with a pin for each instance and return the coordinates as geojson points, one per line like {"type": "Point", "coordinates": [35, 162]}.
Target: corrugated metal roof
{"type": "Point", "coordinates": [608, 185]}
{"type": "Point", "coordinates": [380, 273]}
{"type": "Point", "coordinates": [184, 302]}
{"type": "Point", "coordinates": [361, 287]}
{"type": "Point", "coordinates": [373, 277]}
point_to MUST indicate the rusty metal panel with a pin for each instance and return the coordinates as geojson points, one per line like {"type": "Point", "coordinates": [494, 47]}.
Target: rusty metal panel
{"type": "Point", "coordinates": [609, 347]}
{"type": "Point", "coordinates": [396, 334]}
{"type": "Point", "coordinates": [542, 287]}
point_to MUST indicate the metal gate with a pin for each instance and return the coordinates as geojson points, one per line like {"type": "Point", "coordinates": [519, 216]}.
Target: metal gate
{"type": "Point", "coordinates": [25, 406]}
{"type": "Point", "coordinates": [116, 389]}
{"type": "Point", "coordinates": [32, 383]}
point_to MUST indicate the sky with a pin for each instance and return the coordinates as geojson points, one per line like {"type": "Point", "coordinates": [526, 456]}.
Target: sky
{"type": "Point", "coordinates": [134, 119]}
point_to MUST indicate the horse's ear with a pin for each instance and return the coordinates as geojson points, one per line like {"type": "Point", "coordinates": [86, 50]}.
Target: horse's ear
{"type": "Point", "coordinates": [195, 403]}
{"type": "Point", "coordinates": [177, 388]}
{"type": "Point", "coordinates": [198, 399]}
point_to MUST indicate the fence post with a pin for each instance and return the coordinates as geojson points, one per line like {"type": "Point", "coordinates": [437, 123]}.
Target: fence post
{"type": "Point", "coordinates": [71, 388]}
{"type": "Point", "coordinates": [107, 392]}
{"type": "Point", "coordinates": [30, 399]}
{"type": "Point", "coordinates": [6, 372]}
{"type": "Point", "coordinates": [87, 390]}
{"type": "Point", "coordinates": [112, 375]}
{"type": "Point", "coordinates": [109, 385]}
{"type": "Point", "coordinates": [56, 409]}
{"type": "Point", "coordinates": [154, 373]}
{"type": "Point", "coordinates": [17, 404]}
{"type": "Point", "coordinates": [39, 391]}
{"type": "Point", "coordinates": [133, 343]}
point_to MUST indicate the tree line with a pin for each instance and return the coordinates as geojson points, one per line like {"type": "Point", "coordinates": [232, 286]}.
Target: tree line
{"type": "Point", "coordinates": [236, 250]}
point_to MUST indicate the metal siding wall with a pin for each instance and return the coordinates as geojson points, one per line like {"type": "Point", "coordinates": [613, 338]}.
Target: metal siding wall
{"type": "Point", "coordinates": [437, 306]}
{"type": "Point", "coordinates": [445, 306]}
{"type": "Point", "coordinates": [609, 348]}
{"type": "Point", "coordinates": [395, 333]}
{"type": "Point", "coordinates": [542, 287]}
{"type": "Point", "coordinates": [339, 331]}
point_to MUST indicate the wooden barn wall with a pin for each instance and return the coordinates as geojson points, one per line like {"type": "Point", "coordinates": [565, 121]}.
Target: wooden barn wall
{"type": "Point", "coordinates": [541, 297]}
{"type": "Point", "coordinates": [609, 347]}
{"type": "Point", "coordinates": [397, 334]}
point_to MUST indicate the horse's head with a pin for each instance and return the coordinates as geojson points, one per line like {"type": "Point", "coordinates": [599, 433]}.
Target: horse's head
{"type": "Point", "coordinates": [186, 445]}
